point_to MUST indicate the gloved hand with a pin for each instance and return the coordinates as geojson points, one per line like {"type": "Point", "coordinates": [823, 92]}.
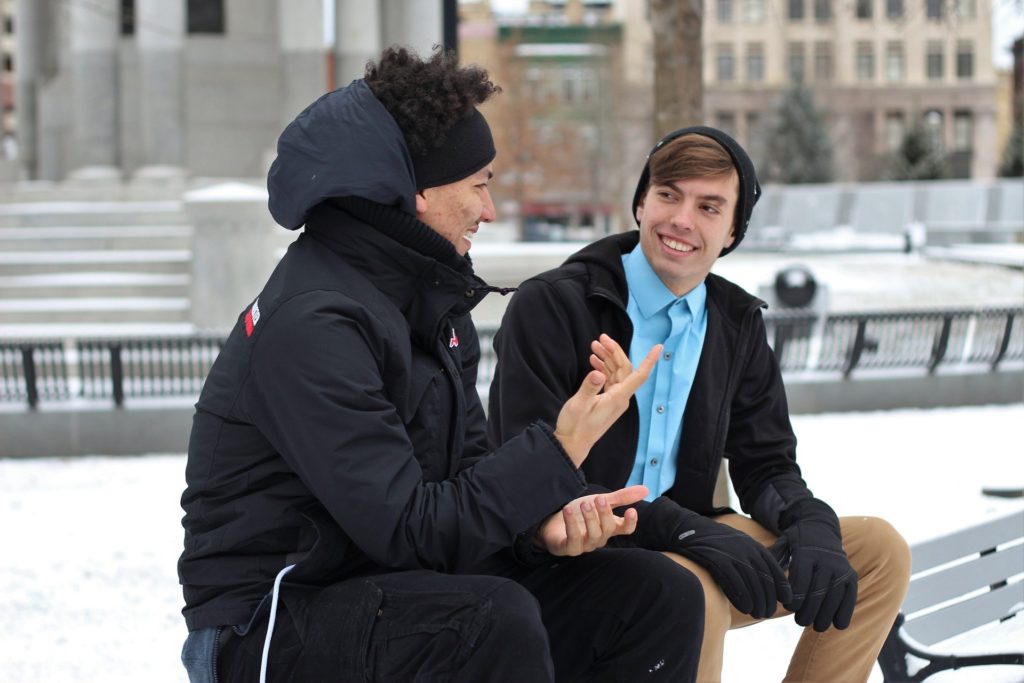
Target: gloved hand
{"type": "Point", "coordinates": [745, 571]}
{"type": "Point", "coordinates": [824, 584]}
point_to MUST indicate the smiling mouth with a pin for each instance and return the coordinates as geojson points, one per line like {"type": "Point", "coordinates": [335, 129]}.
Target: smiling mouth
{"type": "Point", "coordinates": [677, 246]}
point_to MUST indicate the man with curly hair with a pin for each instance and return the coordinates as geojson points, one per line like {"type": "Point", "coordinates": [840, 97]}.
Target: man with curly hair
{"type": "Point", "coordinates": [342, 507]}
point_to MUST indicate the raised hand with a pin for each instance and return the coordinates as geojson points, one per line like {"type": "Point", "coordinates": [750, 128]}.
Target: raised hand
{"type": "Point", "coordinates": [588, 414]}
{"type": "Point", "coordinates": [586, 523]}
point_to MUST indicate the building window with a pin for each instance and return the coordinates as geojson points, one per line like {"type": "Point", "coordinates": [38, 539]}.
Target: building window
{"type": "Point", "coordinates": [726, 122]}
{"type": "Point", "coordinates": [933, 9]}
{"type": "Point", "coordinates": [934, 60]}
{"type": "Point", "coordinates": [865, 61]}
{"type": "Point", "coordinates": [724, 11]}
{"type": "Point", "coordinates": [963, 131]}
{"type": "Point", "coordinates": [205, 16]}
{"type": "Point", "coordinates": [964, 60]}
{"type": "Point", "coordinates": [755, 62]}
{"type": "Point", "coordinates": [895, 130]}
{"type": "Point", "coordinates": [755, 136]}
{"type": "Point", "coordinates": [894, 9]}
{"type": "Point", "coordinates": [864, 9]}
{"type": "Point", "coordinates": [726, 66]}
{"type": "Point", "coordinates": [797, 62]}
{"type": "Point", "coordinates": [796, 10]}
{"type": "Point", "coordinates": [753, 11]}
{"type": "Point", "coordinates": [823, 62]}
{"type": "Point", "coordinates": [933, 125]}
{"type": "Point", "coordinates": [8, 24]}
{"type": "Point", "coordinates": [965, 9]}
{"type": "Point", "coordinates": [895, 63]}
{"type": "Point", "coordinates": [127, 17]}
{"type": "Point", "coordinates": [822, 10]}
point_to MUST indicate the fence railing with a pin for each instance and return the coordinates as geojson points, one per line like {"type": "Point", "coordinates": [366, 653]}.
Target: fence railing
{"type": "Point", "coordinates": [34, 371]}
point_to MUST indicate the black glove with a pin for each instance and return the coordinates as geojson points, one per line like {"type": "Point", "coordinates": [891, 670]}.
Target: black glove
{"type": "Point", "coordinates": [745, 571]}
{"type": "Point", "coordinates": [824, 584]}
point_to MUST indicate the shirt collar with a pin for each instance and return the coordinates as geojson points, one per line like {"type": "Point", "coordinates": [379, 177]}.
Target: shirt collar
{"type": "Point", "coordinates": [650, 293]}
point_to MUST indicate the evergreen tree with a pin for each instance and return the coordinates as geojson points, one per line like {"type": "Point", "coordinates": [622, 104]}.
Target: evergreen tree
{"type": "Point", "coordinates": [798, 146]}
{"type": "Point", "coordinates": [919, 157]}
{"type": "Point", "coordinates": [1012, 165]}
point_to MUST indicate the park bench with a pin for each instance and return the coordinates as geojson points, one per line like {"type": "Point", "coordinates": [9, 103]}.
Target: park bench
{"type": "Point", "coordinates": [967, 584]}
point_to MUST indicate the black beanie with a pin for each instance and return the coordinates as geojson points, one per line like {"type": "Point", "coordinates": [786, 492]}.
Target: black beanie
{"type": "Point", "coordinates": [465, 149]}
{"type": "Point", "coordinates": [749, 192]}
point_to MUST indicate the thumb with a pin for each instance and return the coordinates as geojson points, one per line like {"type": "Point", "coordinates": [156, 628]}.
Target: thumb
{"type": "Point", "coordinates": [626, 496]}
{"type": "Point", "coordinates": [592, 384]}
{"type": "Point", "coordinates": [780, 551]}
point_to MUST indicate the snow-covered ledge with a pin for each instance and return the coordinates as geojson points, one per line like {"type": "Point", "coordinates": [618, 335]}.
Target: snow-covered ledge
{"type": "Point", "coordinates": [235, 246]}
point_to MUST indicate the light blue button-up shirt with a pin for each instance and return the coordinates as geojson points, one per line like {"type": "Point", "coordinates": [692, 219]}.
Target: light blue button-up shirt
{"type": "Point", "coordinates": [659, 317]}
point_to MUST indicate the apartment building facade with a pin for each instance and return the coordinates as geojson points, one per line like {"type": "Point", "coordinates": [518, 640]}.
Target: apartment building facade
{"type": "Point", "coordinates": [872, 66]}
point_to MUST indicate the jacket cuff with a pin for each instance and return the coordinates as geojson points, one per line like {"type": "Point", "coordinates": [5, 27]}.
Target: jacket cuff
{"type": "Point", "coordinates": [775, 501]}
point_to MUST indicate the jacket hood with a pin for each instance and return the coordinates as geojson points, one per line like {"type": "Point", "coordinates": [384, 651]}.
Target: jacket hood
{"type": "Point", "coordinates": [345, 144]}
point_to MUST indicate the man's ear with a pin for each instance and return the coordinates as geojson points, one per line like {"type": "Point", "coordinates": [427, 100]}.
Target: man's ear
{"type": "Point", "coordinates": [639, 214]}
{"type": "Point", "coordinates": [732, 237]}
{"type": "Point", "coordinates": [421, 202]}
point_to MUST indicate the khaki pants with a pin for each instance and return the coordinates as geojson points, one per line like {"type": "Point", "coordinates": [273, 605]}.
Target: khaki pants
{"type": "Point", "coordinates": [882, 560]}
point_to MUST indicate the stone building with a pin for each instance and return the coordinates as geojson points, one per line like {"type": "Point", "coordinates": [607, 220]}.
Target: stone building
{"type": "Point", "coordinates": [873, 65]}
{"type": "Point", "coordinates": [143, 89]}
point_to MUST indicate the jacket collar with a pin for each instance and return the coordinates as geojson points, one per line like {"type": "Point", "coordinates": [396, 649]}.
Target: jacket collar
{"type": "Point", "coordinates": [606, 277]}
{"type": "Point", "coordinates": [417, 269]}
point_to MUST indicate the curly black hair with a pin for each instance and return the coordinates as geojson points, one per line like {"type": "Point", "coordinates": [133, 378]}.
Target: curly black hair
{"type": "Point", "coordinates": [426, 98]}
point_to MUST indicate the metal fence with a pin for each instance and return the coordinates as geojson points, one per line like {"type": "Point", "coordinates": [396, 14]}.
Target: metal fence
{"type": "Point", "coordinates": [117, 369]}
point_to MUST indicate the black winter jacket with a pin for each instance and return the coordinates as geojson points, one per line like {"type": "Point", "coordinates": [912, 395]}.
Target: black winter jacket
{"type": "Point", "coordinates": [340, 429]}
{"type": "Point", "coordinates": [737, 407]}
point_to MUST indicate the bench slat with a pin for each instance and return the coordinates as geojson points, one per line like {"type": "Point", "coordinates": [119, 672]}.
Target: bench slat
{"type": "Point", "coordinates": [959, 544]}
{"type": "Point", "coordinates": [978, 573]}
{"type": "Point", "coordinates": [963, 616]}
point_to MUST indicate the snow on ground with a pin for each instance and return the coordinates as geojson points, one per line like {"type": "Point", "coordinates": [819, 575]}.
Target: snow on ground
{"type": "Point", "coordinates": [88, 589]}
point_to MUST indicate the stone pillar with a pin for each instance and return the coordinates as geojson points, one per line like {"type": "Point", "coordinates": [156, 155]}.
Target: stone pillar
{"type": "Point", "coordinates": [357, 38]}
{"type": "Point", "coordinates": [303, 55]}
{"type": "Point", "coordinates": [235, 246]}
{"type": "Point", "coordinates": [27, 74]}
{"type": "Point", "coordinates": [413, 23]}
{"type": "Point", "coordinates": [159, 37]}
{"type": "Point", "coordinates": [94, 32]}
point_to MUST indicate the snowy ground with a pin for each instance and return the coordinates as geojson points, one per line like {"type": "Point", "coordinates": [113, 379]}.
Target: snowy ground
{"type": "Point", "coordinates": [88, 590]}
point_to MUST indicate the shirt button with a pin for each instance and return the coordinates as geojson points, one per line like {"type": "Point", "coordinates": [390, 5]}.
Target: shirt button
{"type": "Point", "coordinates": [668, 356]}
{"type": "Point", "coordinates": [654, 461]}
{"type": "Point", "coordinates": [661, 409]}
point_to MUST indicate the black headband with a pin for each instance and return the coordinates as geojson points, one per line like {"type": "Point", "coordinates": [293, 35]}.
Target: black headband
{"type": "Point", "coordinates": [466, 148]}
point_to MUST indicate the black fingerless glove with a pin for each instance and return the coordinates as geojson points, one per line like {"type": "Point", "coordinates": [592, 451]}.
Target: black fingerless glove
{"type": "Point", "coordinates": [745, 571]}
{"type": "Point", "coordinates": [824, 584]}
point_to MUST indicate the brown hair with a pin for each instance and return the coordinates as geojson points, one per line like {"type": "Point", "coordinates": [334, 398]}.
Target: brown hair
{"type": "Point", "coordinates": [689, 156]}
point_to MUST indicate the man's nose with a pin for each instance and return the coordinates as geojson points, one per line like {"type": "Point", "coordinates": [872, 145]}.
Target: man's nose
{"type": "Point", "coordinates": [489, 214]}
{"type": "Point", "coordinates": [683, 216]}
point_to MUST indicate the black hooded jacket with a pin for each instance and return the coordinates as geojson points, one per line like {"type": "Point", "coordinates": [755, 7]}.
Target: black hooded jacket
{"type": "Point", "coordinates": [339, 428]}
{"type": "Point", "coordinates": [736, 409]}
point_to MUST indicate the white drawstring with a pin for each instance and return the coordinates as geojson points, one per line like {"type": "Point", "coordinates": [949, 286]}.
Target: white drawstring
{"type": "Point", "coordinates": [270, 623]}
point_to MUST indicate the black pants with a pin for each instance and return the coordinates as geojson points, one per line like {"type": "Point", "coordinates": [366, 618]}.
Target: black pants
{"type": "Point", "coordinates": [611, 615]}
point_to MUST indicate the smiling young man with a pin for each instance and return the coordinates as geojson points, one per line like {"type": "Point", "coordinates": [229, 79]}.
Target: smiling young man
{"type": "Point", "coordinates": [716, 393]}
{"type": "Point", "coordinates": [341, 498]}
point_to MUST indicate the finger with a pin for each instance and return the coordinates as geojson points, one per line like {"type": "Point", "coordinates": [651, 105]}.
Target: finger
{"type": "Point", "coordinates": [610, 524]}
{"type": "Point", "coordinates": [812, 603]}
{"type": "Point", "coordinates": [629, 519]}
{"type": "Point", "coordinates": [592, 525]}
{"type": "Point", "coordinates": [631, 383]}
{"type": "Point", "coordinates": [829, 606]}
{"type": "Point", "coordinates": [627, 495]}
{"type": "Point", "coordinates": [799, 580]}
{"type": "Point", "coordinates": [768, 593]}
{"type": "Point", "coordinates": [575, 530]}
{"type": "Point", "coordinates": [599, 365]}
{"type": "Point", "coordinates": [844, 615]}
{"type": "Point", "coordinates": [783, 591]}
{"type": "Point", "coordinates": [592, 384]}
